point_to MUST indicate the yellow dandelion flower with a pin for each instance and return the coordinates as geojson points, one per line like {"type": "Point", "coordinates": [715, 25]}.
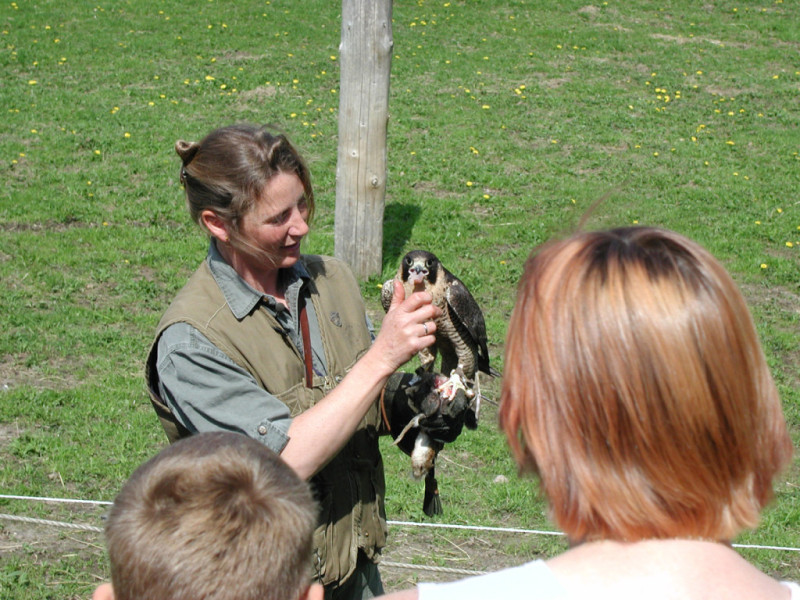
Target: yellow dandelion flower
{"type": "Point", "coordinates": [763, 265]}
{"type": "Point", "coordinates": [127, 134]}
{"type": "Point", "coordinates": [789, 245]}
{"type": "Point", "coordinates": [469, 184]}
{"type": "Point", "coordinates": [780, 210]}
{"type": "Point", "coordinates": [758, 222]}
{"type": "Point", "coordinates": [32, 82]}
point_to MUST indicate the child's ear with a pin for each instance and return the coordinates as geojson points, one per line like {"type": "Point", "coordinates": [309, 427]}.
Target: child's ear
{"type": "Point", "coordinates": [314, 592]}
{"type": "Point", "coordinates": [104, 591]}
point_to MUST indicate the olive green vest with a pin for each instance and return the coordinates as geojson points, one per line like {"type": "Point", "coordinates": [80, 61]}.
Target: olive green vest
{"type": "Point", "coordinates": [350, 488]}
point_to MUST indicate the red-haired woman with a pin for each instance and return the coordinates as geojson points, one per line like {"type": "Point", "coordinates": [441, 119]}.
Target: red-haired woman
{"type": "Point", "coordinates": [636, 390]}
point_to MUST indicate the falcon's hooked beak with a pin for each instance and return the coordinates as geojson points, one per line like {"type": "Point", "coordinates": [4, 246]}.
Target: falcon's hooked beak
{"type": "Point", "coordinates": [417, 275]}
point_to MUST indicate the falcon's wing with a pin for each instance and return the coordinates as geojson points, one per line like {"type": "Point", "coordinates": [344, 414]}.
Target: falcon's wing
{"type": "Point", "coordinates": [466, 309]}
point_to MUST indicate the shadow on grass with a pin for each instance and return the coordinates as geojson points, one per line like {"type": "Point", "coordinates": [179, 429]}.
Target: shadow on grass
{"type": "Point", "coordinates": [398, 223]}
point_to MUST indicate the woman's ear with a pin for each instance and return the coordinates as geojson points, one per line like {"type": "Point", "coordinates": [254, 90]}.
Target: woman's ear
{"type": "Point", "coordinates": [215, 225]}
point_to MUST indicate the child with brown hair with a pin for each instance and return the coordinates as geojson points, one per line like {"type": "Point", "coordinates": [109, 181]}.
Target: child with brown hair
{"type": "Point", "coordinates": [215, 516]}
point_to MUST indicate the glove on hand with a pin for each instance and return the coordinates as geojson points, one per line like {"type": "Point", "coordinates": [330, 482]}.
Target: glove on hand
{"type": "Point", "coordinates": [407, 396]}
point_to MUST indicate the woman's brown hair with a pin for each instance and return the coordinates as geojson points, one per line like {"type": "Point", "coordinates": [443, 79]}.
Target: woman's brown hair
{"type": "Point", "coordinates": [636, 388]}
{"type": "Point", "coordinates": [228, 170]}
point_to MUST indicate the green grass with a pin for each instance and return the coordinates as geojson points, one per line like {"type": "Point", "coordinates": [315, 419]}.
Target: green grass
{"type": "Point", "coordinates": [508, 120]}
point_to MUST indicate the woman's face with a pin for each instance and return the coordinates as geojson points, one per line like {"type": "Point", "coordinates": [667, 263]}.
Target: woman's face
{"type": "Point", "coordinates": [277, 222]}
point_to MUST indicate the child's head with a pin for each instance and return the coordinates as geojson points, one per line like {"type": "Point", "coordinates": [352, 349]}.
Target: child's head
{"type": "Point", "coordinates": [215, 516]}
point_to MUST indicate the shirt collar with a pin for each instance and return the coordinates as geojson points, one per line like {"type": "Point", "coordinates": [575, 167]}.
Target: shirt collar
{"type": "Point", "coordinates": [240, 295]}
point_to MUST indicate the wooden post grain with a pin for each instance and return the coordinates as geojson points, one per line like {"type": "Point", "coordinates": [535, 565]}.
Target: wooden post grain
{"type": "Point", "coordinates": [365, 55]}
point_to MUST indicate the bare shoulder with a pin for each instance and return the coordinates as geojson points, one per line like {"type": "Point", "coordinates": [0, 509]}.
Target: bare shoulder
{"type": "Point", "coordinates": [669, 568]}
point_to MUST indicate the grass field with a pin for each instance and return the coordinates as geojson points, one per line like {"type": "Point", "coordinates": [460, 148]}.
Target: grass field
{"type": "Point", "coordinates": [509, 119]}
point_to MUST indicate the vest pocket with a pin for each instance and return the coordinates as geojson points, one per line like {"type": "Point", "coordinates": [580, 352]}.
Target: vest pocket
{"type": "Point", "coordinates": [322, 536]}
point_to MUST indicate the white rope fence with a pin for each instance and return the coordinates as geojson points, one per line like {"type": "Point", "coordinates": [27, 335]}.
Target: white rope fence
{"type": "Point", "coordinates": [51, 523]}
{"type": "Point", "coordinates": [396, 565]}
{"type": "Point", "coordinates": [514, 530]}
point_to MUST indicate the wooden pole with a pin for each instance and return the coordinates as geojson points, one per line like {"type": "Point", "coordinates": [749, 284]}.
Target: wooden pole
{"type": "Point", "coordinates": [365, 63]}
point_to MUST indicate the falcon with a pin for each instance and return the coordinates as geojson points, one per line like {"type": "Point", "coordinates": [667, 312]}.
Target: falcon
{"type": "Point", "coordinates": [460, 330]}
{"type": "Point", "coordinates": [461, 343]}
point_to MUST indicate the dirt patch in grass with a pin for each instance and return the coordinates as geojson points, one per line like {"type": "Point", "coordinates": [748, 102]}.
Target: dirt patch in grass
{"type": "Point", "coordinates": [14, 373]}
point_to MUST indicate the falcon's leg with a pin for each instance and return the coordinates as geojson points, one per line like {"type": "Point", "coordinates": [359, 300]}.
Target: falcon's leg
{"type": "Point", "coordinates": [426, 359]}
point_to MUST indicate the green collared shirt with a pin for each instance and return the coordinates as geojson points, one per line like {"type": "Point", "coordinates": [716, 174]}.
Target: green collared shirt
{"type": "Point", "coordinates": [192, 372]}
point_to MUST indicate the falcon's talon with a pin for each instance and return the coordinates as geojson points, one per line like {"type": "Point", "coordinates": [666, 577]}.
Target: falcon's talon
{"type": "Point", "coordinates": [449, 388]}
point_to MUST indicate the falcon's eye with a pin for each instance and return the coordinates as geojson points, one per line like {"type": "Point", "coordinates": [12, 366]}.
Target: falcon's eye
{"type": "Point", "coordinates": [429, 263]}
{"type": "Point", "coordinates": [408, 261]}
